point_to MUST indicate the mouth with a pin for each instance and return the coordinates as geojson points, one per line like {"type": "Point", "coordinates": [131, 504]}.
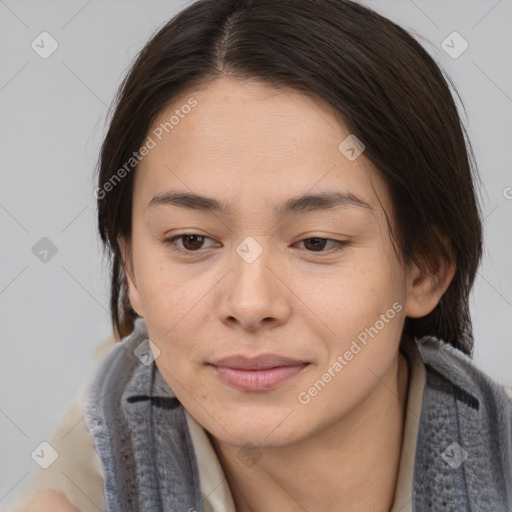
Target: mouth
{"type": "Point", "coordinates": [257, 374]}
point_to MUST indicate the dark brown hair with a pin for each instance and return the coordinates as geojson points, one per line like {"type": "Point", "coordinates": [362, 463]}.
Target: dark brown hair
{"type": "Point", "coordinates": [388, 91]}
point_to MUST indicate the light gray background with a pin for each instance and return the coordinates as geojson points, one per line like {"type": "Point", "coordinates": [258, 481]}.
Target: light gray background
{"type": "Point", "coordinates": [53, 111]}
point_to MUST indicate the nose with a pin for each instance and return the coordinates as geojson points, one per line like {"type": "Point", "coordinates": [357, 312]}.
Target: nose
{"type": "Point", "coordinates": [255, 295]}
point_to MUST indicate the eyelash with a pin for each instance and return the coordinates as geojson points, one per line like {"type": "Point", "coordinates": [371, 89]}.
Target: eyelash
{"type": "Point", "coordinates": [170, 242]}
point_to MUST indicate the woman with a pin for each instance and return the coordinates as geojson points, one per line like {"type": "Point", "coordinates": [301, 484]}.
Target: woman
{"type": "Point", "coordinates": [287, 197]}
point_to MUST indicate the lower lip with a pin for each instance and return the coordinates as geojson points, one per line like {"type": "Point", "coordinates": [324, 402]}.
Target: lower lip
{"type": "Point", "coordinates": [257, 380]}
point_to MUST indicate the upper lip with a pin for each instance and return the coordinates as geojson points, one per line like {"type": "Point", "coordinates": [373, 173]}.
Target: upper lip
{"type": "Point", "coordinates": [257, 363]}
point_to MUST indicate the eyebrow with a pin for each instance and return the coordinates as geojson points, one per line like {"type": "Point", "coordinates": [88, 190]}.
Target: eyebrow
{"type": "Point", "coordinates": [300, 204]}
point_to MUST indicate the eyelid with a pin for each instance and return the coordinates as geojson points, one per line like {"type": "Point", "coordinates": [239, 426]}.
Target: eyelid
{"type": "Point", "coordinates": [170, 241]}
{"type": "Point", "coordinates": [338, 244]}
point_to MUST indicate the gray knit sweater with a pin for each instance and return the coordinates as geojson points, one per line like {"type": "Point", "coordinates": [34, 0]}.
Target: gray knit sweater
{"type": "Point", "coordinates": [463, 457]}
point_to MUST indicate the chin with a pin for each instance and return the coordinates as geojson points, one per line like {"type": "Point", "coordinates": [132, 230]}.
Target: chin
{"type": "Point", "coordinates": [258, 428]}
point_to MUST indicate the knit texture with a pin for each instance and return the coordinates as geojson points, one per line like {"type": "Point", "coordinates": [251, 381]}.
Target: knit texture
{"type": "Point", "coordinates": [463, 458]}
{"type": "Point", "coordinates": [140, 433]}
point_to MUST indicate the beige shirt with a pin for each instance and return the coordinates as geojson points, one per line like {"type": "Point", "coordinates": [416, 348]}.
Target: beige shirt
{"type": "Point", "coordinates": [77, 473]}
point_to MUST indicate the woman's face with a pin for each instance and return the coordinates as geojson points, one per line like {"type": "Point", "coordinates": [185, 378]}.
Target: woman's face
{"type": "Point", "coordinates": [262, 275]}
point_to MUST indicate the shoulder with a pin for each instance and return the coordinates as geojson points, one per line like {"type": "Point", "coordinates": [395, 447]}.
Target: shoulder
{"type": "Point", "coordinates": [464, 378]}
{"type": "Point", "coordinates": [464, 435]}
{"type": "Point", "coordinates": [54, 489]}
{"type": "Point", "coordinates": [50, 501]}
{"type": "Point", "coordinates": [458, 367]}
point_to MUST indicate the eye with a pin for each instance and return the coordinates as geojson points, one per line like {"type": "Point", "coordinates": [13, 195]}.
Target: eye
{"type": "Point", "coordinates": [191, 242]}
{"type": "Point", "coordinates": [318, 244]}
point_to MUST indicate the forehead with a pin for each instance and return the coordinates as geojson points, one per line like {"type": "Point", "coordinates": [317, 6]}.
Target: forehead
{"type": "Point", "coordinates": [245, 138]}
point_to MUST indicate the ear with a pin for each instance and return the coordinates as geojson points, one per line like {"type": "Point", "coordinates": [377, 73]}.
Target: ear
{"type": "Point", "coordinates": [133, 292]}
{"type": "Point", "coordinates": [425, 288]}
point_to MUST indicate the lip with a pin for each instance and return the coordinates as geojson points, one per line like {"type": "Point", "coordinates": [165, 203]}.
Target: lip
{"type": "Point", "coordinates": [262, 362]}
{"type": "Point", "coordinates": [257, 374]}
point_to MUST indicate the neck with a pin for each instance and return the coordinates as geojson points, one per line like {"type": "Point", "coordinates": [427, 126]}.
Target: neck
{"type": "Point", "coordinates": [351, 465]}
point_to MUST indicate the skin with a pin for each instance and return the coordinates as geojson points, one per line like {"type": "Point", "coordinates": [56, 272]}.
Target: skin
{"type": "Point", "coordinates": [50, 501]}
{"type": "Point", "coordinates": [255, 146]}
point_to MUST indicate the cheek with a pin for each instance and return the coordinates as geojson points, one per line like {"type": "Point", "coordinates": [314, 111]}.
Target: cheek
{"type": "Point", "coordinates": [158, 285]}
{"type": "Point", "coordinates": [173, 312]}
{"type": "Point", "coordinates": [353, 298]}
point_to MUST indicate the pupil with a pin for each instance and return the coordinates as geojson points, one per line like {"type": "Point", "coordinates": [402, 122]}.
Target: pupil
{"type": "Point", "coordinates": [318, 243]}
{"type": "Point", "coordinates": [197, 241]}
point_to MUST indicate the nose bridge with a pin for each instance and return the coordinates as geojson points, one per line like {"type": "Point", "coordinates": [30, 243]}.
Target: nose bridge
{"type": "Point", "coordinates": [254, 293]}
{"type": "Point", "coordinates": [251, 263]}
